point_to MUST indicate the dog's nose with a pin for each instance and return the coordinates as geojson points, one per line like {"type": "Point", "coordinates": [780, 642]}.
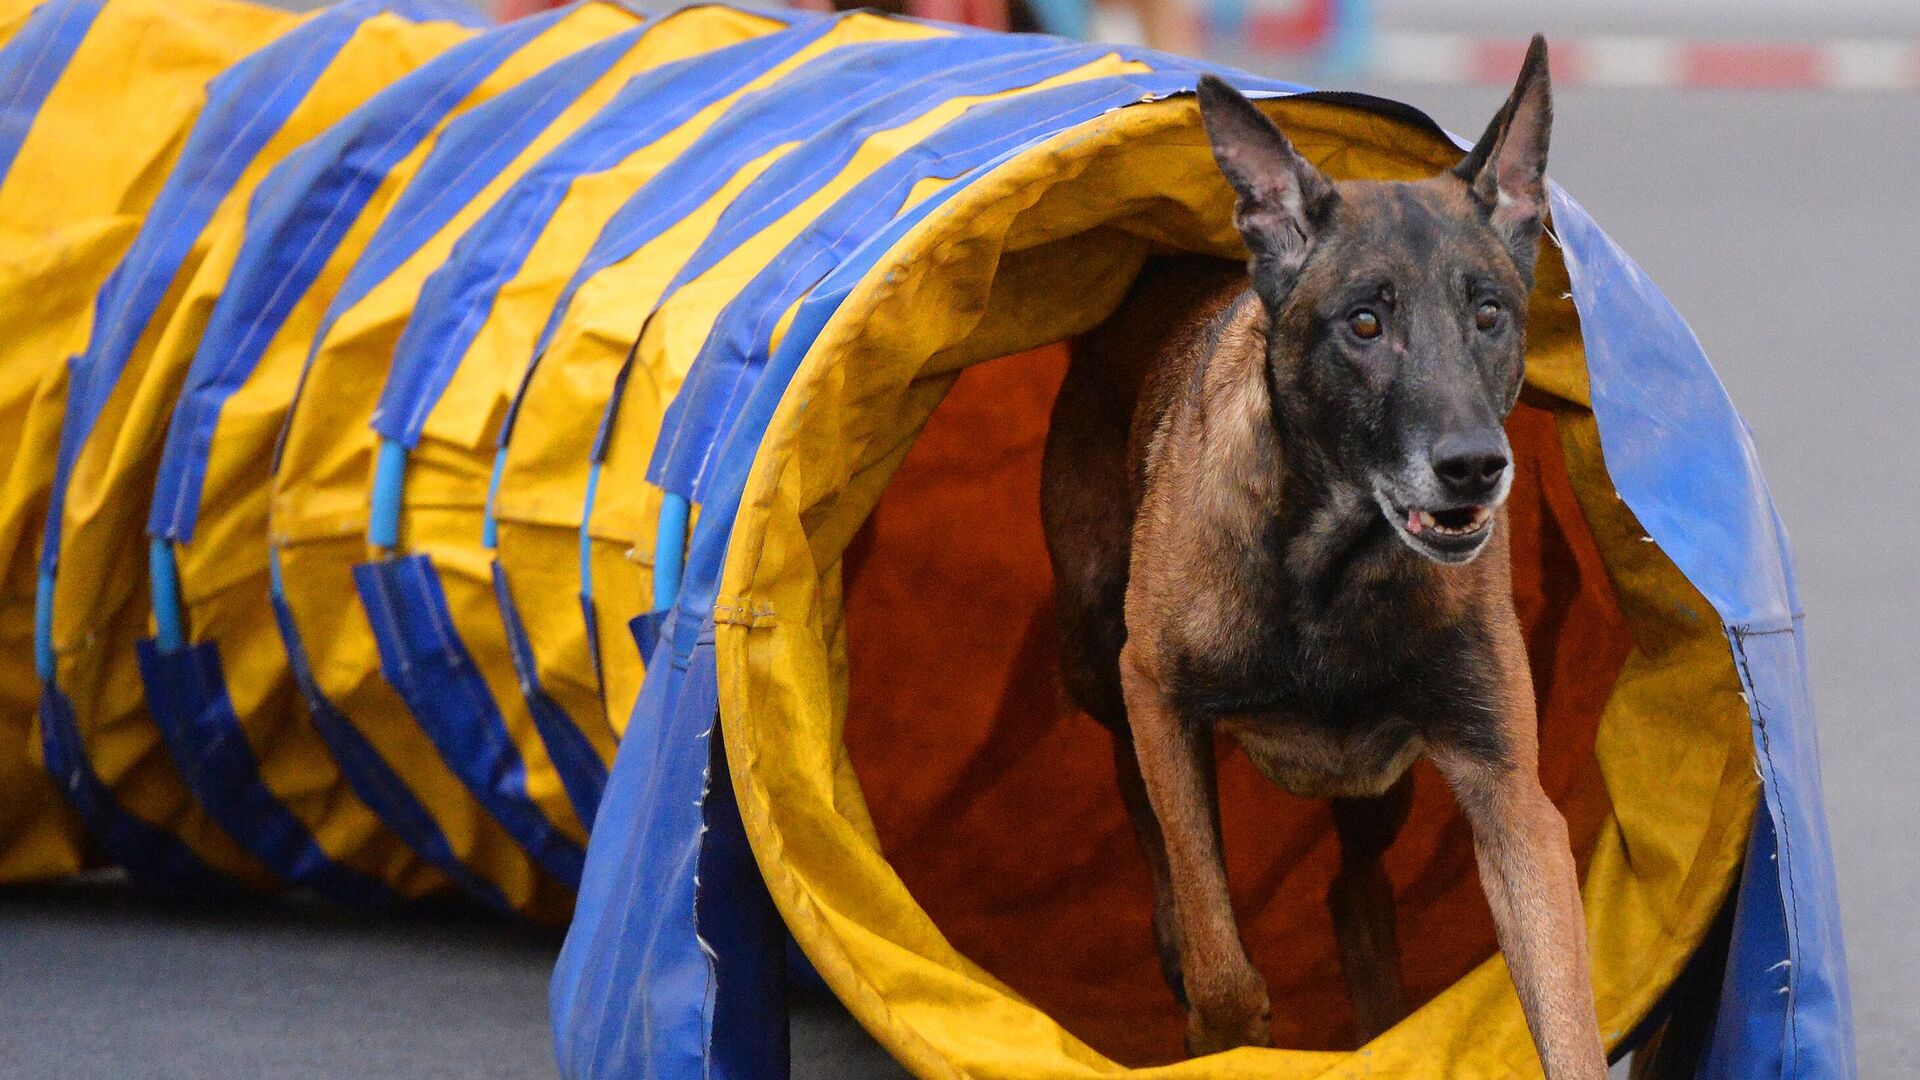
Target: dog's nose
{"type": "Point", "coordinates": [1470, 465]}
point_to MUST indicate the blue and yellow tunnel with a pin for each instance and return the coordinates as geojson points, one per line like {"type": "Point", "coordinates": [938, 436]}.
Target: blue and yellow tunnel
{"type": "Point", "coordinates": [590, 465]}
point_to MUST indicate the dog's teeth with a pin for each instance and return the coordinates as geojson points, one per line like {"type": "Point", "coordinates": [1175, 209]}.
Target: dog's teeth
{"type": "Point", "coordinates": [1426, 521]}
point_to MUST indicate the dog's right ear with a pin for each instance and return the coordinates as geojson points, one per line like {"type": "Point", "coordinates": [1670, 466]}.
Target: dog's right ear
{"type": "Point", "coordinates": [1283, 201]}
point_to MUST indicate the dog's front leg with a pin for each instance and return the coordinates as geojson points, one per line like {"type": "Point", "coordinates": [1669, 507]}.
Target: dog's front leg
{"type": "Point", "coordinates": [1527, 872]}
{"type": "Point", "coordinates": [1226, 997]}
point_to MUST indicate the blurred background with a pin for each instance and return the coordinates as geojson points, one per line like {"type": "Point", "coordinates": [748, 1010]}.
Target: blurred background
{"type": "Point", "coordinates": [1756, 157]}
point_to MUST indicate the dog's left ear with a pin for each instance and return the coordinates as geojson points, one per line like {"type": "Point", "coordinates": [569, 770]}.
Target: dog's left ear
{"type": "Point", "coordinates": [1507, 169]}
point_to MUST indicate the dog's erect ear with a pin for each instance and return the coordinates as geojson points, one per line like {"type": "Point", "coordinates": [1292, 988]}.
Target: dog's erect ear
{"type": "Point", "coordinates": [1283, 201]}
{"type": "Point", "coordinates": [1507, 169]}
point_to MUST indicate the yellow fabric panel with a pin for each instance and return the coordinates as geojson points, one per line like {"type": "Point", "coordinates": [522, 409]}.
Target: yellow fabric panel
{"type": "Point", "coordinates": [62, 230]}
{"type": "Point", "coordinates": [1036, 252]}
{"type": "Point", "coordinates": [12, 15]}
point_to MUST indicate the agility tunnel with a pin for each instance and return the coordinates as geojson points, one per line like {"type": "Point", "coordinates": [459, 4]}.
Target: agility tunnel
{"type": "Point", "coordinates": [434, 444]}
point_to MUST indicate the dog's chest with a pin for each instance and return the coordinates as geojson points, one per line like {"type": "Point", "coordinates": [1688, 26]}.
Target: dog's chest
{"type": "Point", "coordinates": [1331, 696]}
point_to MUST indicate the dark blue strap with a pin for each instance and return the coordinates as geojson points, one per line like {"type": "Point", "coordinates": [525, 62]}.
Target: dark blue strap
{"type": "Point", "coordinates": [295, 224]}
{"type": "Point", "coordinates": [581, 770]}
{"type": "Point", "coordinates": [154, 859]}
{"type": "Point", "coordinates": [32, 62]}
{"type": "Point", "coordinates": [187, 692]}
{"type": "Point", "coordinates": [740, 930]}
{"type": "Point", "coordinates": [424, 660]}
{"type": "Point", "coordinates": [631, 992]}
{"type": "Point", "coordinates": [371, 778]}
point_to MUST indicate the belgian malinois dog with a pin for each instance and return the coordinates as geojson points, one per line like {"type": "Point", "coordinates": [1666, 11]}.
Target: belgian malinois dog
{"type": "Point", "coordinates": [1273, 499]}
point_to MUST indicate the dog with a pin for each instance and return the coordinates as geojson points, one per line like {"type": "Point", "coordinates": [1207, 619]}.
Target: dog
{"type": "Point", "coordinates": [1273, 498]}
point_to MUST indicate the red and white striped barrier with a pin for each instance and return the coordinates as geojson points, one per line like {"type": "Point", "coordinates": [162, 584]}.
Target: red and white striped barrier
{"type": "Point", "coordinates": [1655, 62]}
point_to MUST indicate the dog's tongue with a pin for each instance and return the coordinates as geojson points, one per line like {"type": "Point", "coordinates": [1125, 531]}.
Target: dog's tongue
{"type": "Point", "coordinates": [1413, 522]}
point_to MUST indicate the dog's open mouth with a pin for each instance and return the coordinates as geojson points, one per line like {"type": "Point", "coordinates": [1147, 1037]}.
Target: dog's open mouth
{"type": "Point", "coordinates": [1451, 535]}
{"type": "Point", "coordinates": [1460, 521]}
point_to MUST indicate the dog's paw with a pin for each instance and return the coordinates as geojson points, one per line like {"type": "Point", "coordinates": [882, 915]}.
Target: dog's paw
{"type": "Point", "coordinates": [1241, 1020]}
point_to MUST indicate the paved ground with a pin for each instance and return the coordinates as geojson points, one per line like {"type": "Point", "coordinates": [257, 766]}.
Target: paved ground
{"type": "Point", "coordinates": [1780, 224]}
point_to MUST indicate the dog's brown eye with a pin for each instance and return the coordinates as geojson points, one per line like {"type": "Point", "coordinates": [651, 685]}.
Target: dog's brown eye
{"type": "Point", "coordinates": [1488, 316]}
{"type": "Point", "coordinates": [1365, 325]}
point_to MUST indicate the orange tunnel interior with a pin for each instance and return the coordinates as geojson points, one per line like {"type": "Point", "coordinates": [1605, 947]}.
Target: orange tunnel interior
{"type": "Point", "coordinates": [994, 797]}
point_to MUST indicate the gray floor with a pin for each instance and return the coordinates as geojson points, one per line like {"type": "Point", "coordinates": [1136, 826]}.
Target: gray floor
{"type": "Point", "coordinates": [96, 984]}
{"type": "Point", "coordinates": [1780, 224]}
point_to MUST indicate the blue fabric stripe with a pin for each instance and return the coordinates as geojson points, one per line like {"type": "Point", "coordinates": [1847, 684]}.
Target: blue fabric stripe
{"type": "Point", "coordinates": [424, 660]}
{"type": "Point", "coordinates": [581, 771]}
{"type": "Point", "coordinates": [32, 63]}
{"type": "Point", "coordinates": [155, 860]}
{"type": "Point", "coordinates": [467, 289]}
{"type": "Point", "coordinates": [785, 112]}
{"type": "Point", "coordinates": [647, 108]}
{"type": "Point", "coordinates": [711, 391]}
{"type": "Point", "coordinates": [991, 64]}
{"type": "Point", "coordinates": [453, 11]}
{"type": "Point", "coordinates": [295, 223]}
{"type": "Point", "coordinates": [442, 187]}
{"type": "Point", "coordinates": [1681, 459]}
{"type": "Point", "coordinates": [372, 779]}
{"type": "Point", "coordinates": [499, 130]}
{"type": "Point", "coordinates": [187, 692]}
{"type": "Point", "coordinates": [246, 105]}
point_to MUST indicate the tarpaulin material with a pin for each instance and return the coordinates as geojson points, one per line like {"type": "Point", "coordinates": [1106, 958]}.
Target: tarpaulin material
{"type": "Point", "coordinates": [477, 437]}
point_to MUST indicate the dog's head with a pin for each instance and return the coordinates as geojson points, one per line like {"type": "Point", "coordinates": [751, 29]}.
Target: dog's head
{"type": "Point", "coordinates": [1398, 310]}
